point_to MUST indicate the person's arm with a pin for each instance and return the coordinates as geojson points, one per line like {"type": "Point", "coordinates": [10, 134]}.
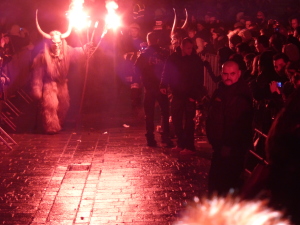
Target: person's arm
{"type": "Point", "coordinates": [5, 80]}
{"type": "Point", "coordinates": [37, 77]}
{"type": "Point", "coordinates": [211, 73]}
{"type": "Point", "coordinates": [164, 83]}
{"type": "Point", "coordinates": [138, 69]}
{"type": "Point", "coordinates": [200, 45]}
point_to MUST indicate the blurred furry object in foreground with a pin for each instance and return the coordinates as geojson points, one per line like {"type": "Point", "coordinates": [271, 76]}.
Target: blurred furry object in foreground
{"type": "Point", "coordinates": [231, 211]}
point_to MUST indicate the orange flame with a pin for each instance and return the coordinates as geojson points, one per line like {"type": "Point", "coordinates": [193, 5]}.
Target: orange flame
{"type": "Point", "coordinates": [112, 20]}
{"type": "Point", "coordinates": [77, 17]}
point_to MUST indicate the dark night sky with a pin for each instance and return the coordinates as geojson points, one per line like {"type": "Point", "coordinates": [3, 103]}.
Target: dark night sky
{"type": "Point", "coordinates": [52, 12]}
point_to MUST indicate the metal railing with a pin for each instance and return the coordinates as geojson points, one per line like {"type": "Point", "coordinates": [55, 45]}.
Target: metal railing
{"type": "Point", "coordinates": [259, 158]}
{"type": "Point", "coordinates": [208, 82]}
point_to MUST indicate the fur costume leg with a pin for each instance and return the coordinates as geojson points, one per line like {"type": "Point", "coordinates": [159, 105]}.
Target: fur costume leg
{"type": "Point", "coordinates": [49, 108]}
{"type": "Point", "coordinates": [63, 102]}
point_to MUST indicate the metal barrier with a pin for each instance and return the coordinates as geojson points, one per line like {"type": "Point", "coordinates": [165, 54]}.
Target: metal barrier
{"type": "Point", "coordinates": [208, 82]}
{"type": "Point", "coordinates": [261, 160]}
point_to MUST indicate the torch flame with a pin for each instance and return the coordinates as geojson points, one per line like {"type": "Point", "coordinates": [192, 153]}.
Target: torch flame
{"type": "Point", "coordinates": [112, 20]}
{"type": "Point", "coordinates": [77, 17]}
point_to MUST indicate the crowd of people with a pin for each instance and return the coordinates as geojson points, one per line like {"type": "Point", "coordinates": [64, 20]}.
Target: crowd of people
{"type": "Point", "coordinates": [259, 59]}
{"type": "Point", "coordinates": [260, 73]}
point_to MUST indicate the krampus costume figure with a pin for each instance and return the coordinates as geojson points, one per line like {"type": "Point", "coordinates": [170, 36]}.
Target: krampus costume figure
{"type": "Point", "coordinates": [49, 79]}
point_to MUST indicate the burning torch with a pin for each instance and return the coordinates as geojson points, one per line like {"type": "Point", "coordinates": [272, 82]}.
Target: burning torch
{"type": "Point", "coordinates": [79, 20]}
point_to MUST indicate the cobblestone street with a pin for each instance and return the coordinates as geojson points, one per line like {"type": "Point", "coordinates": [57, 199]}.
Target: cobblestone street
{"type": "Point", "coordinates": [98, 175]}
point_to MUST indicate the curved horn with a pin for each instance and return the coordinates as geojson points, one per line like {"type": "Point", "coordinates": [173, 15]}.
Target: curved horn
{"type": "Point", "coordinates": [45, 35]}
{"type": "Point", "coordinates": [174, 23]}
{"type": "Point", "coordinates": [184, 26]}
{"type": "Point", "coordinates": [65, 35]}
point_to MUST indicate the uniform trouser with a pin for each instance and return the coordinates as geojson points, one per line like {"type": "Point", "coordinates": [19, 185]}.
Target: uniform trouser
{"type": "Point", "coordinates": [225, 172]}
{"type": "Point", "coordinates": [183, 113]}
{"type": "Point", "coordinates": [151, 96]}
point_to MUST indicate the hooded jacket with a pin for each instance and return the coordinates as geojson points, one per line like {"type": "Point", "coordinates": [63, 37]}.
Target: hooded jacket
{"type": "Point", "coordinates": [184, 75]}
{"type": "Point", "coordinates": [230, 116]}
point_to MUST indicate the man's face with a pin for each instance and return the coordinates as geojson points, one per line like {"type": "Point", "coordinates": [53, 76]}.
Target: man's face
{"type": "Point", "coordinates": [294, 23]}
{"type": "Point", "coordinates": [248, 63]}
{"type": "Point", "coordinates": [175, 41]}
{"type": "Point", "coordinates": [192, 33]}
{"type": "Point", "coordinates": [260, 15]}
{"type": "Point", "coordinates": [206, 18]}
{"type": "Point", "coordinates": [258, 46]}
{"type": "Point", "coordinates": [187, 49]}
{"type": "Point", "coordinates": [134, 33]}
{"type": "Point", "coordinates": [212, 19]}
{"type": "Point", "coordinates": [279, 66]}
{"type": "Point", "coordinates": [200, 26]}
{"type": "Point", "coordinates": [248, 24]}
{"type": "Point", "coordinates": [214, 36]}
{"type": "Point", "coordinates": [230, 74]}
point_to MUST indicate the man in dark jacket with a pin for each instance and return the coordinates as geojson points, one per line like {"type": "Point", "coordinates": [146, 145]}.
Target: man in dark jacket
{"type": "Point", "coordinates": [148, 68]}
{"type": "Point", "coordinates": [184, 74]}
{"type": "Point", "coordinates": [229, 129]}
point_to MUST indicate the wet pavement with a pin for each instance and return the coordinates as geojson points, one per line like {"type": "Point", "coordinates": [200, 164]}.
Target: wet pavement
{"type": "Point", "coordinates": [98, 174]}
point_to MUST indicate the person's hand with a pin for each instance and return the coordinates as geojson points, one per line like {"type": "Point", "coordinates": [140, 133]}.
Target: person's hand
{"type": "Point", "coordinates": [2, 42]}
{"type": "Point", "coordinates": [274, 87]}
{"type": "Point", "coordinates": [2, 80]}
{"type": "Point", "coordinates": [163, 91]}
{"type": "Point", "coordinates": [89, 48]}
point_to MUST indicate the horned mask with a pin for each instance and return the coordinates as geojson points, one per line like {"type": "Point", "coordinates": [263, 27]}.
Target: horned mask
{"type": "Point", "coordinates": [177, 34]}
{"type": "Point", "coordinates": [55, 37]}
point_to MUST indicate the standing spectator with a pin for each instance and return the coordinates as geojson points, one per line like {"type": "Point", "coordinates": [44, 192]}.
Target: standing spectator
{"type": "Point", "coordinates": [294, 22]}
{"type": "Point", "coordinates": [227, 51]}
{"type": "Point", "coordinates": [198, 42]}
{"type": "Point", "coordinates": [262, 44]}
{"type": "Point", "coordinates": [202, 32]}
{"type": "Point", "coordinates": [131, 46]}
{"type": "Point", "coordinates": [280, 61]}
{"type": "Point", "coordinates": [184, 74]}
{"type": "Point", "coordinates": [261, 88]}
{"type": "Point", "coordinates": [243, 49]}
{"type": "Point", "coordinates": [19, 38]}
{"type": "Point", "coordinates": [229, 129]}
{"type": "Point", "coordinates": [148, 67]}
{"type": "Point", "coordinates": [248, 75]}
{"type": "Point", "coordinates": [261, 20]}
{"type": "Point", "coordinates": [5, 50]}
{"type": "Point", "coordinates": [282, 148]}
{"type": "Point", "coordinates": [219, 39]}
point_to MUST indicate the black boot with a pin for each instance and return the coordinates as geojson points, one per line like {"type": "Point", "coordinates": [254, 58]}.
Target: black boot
{"type": "Point", "coordinates": [167, 141]}
{"type": "Point", "coordinates": [151, 140]}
